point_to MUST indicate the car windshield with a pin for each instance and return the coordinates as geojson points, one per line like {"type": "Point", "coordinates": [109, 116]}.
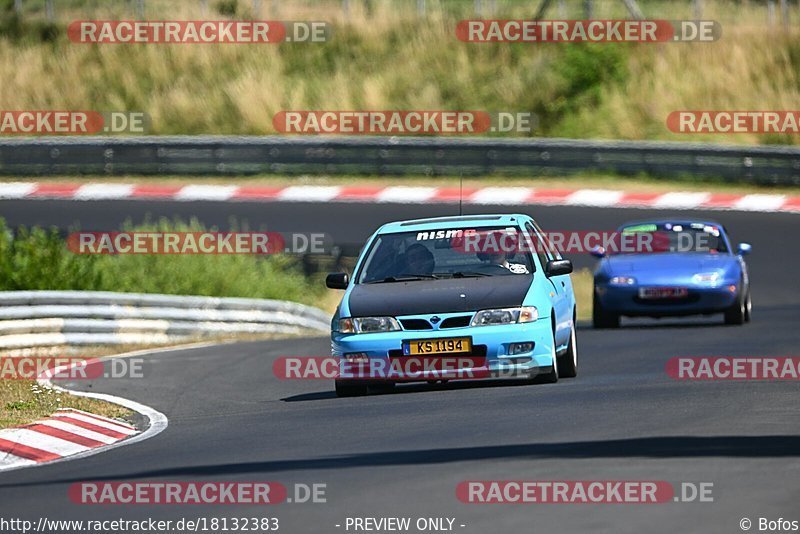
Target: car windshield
{"type": "Point", "coordinates": [434, 254]}
{"type": "Point", "coordinates": [684, 237]}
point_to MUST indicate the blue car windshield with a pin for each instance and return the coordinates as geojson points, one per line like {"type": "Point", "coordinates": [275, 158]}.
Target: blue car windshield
{"type": "Point", "coordinates": [676, 237]}
{"type": "Point", "coordinates": [445, 253]}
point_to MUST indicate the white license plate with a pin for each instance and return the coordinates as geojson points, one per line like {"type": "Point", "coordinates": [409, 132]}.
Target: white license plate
{"type": "Point", "coordinates": [663, 292]}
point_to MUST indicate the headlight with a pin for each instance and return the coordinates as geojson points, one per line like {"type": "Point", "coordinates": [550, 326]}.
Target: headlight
{"type": "Point", "coordinates": [366, 325]}
{"type": "Point", "coordinates": [706, 278]}
{"type": "Point", "coordinates": [622, 281]}
{"type": "Point", "coordinates": [527, 314]}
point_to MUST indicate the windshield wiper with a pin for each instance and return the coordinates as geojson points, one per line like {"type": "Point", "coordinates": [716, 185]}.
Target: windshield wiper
{"type": "Point", "coordinates": [466, 274]}
{"type": "Point", "coordinates": [404, 278]}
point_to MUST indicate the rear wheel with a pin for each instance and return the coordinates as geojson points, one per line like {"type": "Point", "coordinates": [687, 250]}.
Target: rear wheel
{"type": "Point", "coordinates": [737, 313]}
{"type": "Point", "coordinates": [348, 389]}
{"type": "Point", "coordinates": [602, 318]}
{"type": "Point", "coordinates": [568, 362]}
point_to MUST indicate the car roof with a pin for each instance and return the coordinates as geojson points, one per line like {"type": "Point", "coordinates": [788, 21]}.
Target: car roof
{"type": "Point", "coordinates": [676, 220]}
{"type": "Point", "coordinates": [455, 222]}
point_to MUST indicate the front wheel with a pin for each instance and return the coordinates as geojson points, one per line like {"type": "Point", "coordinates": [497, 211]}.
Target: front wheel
{"type": "Point", "coordinates": [737, 314]}
{"type": "Point", "coordinates": [568, 362]}
{"type": "Point", "coordinates": [552, 376]}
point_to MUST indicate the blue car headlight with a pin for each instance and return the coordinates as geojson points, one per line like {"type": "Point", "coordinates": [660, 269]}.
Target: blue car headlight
{"type": "Point", "coordinates": [367, 325]}
{"type": "Point", "coordinates": [622, 281]}
{"type": "Point", "coordinates": [525, 314]}
{"type": "Point", "coordinates": [707, 278]}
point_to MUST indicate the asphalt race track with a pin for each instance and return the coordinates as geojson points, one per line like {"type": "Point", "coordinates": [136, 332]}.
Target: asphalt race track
{"type": "Point", "coordinates": [403, 454]}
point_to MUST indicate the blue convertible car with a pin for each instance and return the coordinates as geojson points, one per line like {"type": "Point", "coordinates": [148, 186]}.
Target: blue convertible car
{"type": "Point", "coordinates": [418, 294]}
{"type": "Point", "coordinates": [688, 268]}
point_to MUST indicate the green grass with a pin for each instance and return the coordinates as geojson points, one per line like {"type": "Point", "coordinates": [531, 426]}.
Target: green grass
{"type": "Point", "coordinates": [37, 259]}
{"type": "Point", "coordinates": [24, 401]}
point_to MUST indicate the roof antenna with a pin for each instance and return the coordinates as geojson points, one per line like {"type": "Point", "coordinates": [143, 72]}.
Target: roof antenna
{"type": "Point", "coordinates": [460, 193]}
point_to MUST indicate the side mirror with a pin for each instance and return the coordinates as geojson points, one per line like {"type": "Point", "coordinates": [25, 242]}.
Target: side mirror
{"type": "Point", "coordinates": [744, 249]}
{"type": "Point", "coordinates": [598, 252]}
{"type": "Point", "coordinates": [558, 267]}
{"type": "Point", "coordinates": [337, 280]}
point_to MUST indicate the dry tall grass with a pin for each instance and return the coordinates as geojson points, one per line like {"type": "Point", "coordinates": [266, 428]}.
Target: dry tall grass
{"type": "Point", "coordinates": [393, 59]}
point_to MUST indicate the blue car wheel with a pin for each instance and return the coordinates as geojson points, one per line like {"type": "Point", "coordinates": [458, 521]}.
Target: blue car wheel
{"type": "Point", "coordinates": [739, 312]}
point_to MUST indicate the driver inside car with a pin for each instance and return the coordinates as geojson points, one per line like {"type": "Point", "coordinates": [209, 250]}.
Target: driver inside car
{"type": "Point", "coordinates": [419, 260]}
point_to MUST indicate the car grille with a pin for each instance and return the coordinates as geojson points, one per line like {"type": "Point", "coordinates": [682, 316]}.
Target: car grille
{"type": "Point", "coordinates": [415, 324]}
{"type": "Point", "coordinates": [456, 322]}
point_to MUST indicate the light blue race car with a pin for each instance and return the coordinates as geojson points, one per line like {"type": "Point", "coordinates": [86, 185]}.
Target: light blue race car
{"type": "Point", "coordinates": [420, 294]}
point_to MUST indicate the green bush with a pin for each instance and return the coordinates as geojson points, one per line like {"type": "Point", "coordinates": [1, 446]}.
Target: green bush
{"type": "Point", "coordinates": [36, 259]}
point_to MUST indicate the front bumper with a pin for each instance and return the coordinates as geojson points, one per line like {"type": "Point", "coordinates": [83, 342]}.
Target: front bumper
{"type": "Point", "coordinates": [625, 300]}
{"type": "Point", "coordinates": [490, 350]}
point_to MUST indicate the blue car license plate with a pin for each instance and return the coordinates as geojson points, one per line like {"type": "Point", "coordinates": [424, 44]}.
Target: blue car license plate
{"type": "Point", "coordinates": [663, 292]}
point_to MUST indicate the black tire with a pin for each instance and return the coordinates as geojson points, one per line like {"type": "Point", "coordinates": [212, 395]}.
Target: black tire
{"type": "Point", "coordinates": [348, 389]}
{"type": "Point", "coordinates": [568, 362]}
{"type": "Point", "coordinates": [552, 376]}
{"type": "Point", "coordinates": [737, 313]}
{"type": "Point", "coordinates": [602, 318]}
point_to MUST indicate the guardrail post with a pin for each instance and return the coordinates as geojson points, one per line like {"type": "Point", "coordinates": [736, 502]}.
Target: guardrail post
{"type": "Point", "coordinates": [697, 9]}
{"type": "Point", "coordinates": [785, 14]}
{"type": "Point", "coordinates": [18, 7]}
{"type": "Point", "coordinates": [562, 9]}
{"type": "Point", "coordinates": [588, 9]}
{"type": "Point", "coordinates": [138, 7]}
{"type": "Point", "coordinates": [48, 10]}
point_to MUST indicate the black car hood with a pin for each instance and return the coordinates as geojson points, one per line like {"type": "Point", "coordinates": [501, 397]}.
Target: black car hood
{"type": "Point", "coordinates": [438, 296]}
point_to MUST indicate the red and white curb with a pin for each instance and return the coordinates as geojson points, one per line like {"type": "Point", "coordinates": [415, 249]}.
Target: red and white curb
{"type": "Point", "coordinates": [49, 448]}
{"type": "Point", "coordinates": [512, 196]}
{"type": "Point", "coordinates": [65, 433]}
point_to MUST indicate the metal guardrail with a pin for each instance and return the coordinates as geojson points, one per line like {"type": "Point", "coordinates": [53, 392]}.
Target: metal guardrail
{"type": "Point", "coordinates": [220, 155]}
{"type": "Point", "coordinates": [54, 318]}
